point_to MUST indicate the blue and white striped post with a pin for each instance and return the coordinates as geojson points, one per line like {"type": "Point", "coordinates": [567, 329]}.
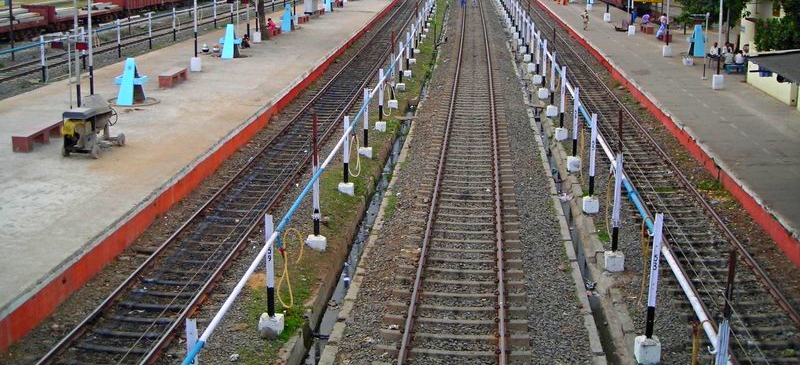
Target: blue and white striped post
{"type": "Point", "coordinates": [647, 348]}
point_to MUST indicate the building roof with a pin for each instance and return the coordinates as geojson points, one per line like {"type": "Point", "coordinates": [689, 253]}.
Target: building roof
{"type": "Point", "coordinates": [784, 63]}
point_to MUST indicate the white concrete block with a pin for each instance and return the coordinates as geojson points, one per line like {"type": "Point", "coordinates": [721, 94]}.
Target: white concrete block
{"type": "Point", "coordinates": [412, 61]}
{"type": "Point", "coordinates": [392, 104]}
{"type": "Point", "coordinates": [717, 82]}
{"type": "Point", "coordinates": [615, 261]}
{"type": "Point", "coordinates": [523, 49]}
{"type": "Point", "coordinates": [406, 73]}
{"type": "Point", "coordinates": [588, 7]}
{"type": "Point", "coordinates": [400, 86]}
{"type": "Point", "coordinates": [573, 164]}
{"type": "Point", "coordinates": [526, 58]}
{"type": "Point", "coordinates": [535, 79]}
{"type": "Point", "coordinates": [365, 151]}
{"type": "Point", "coordinates": [531, 66]}
{"type": "Point", "coordinates": [561, 134]}
{"type": "Point", "coordinates": [647, 351]}
{"type": "Point", "coordinates": [380, 126]}
{"type": "Point", "coordinates": [551, 111]}
{"type": "Point", "coordinates": [631, 30]}
{"type": "Point", "coordinates": [590, 204]}
{"type": "Point", "coordinates": [195, 65]}
{"type": "Point", "coordinates": [543, 93]}
{"type": "Point", "coordinates": [318, 243]}
{"type": "Point", "coordinates": [519, 41]}
{"type": "Point", "coordinates": [256, 37]}
{"type": "Point", "coordinates": [347, 188]}
{"type": "Point", "coordinates": [423, 36]}
{"type": "Point", "coordinates": [270, 327]}
{"type": "Point", "coordinates": [666, 51]}
{"type": "Point", "coordinates": [416, 51]}
{"type": "Point", "coordinates": [607, 17]}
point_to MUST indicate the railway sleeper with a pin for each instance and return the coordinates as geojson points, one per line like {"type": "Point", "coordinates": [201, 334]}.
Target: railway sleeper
{"type": "Point", "coordinates": [405, 294]}
{"type": "Point", "coordinates": [172, 282]}
{"type": "Point", "coordinates": [161, 294]}
{"type": "Point", "coordinates": [158, 321]}
{"type": "Point", "coordinates": [125, 334]}
{"type": "Point", "coordinates": [515, 311]}
{"type": "Point", "coordinates": [152, 307]}
{"type": "Point", "coordinates": [112, 349]}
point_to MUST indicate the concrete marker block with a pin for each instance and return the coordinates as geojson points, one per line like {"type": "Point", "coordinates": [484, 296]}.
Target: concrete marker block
{"type": "Point", "coordinates": [590, 204]}
{"type": "Point", "coordinates": [347, 188]}
{"type": "Point", "coordinates": [614, 261]}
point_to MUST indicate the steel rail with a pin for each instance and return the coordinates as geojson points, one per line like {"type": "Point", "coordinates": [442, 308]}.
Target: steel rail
{"type": "Point", "coordinates": [498, 206]}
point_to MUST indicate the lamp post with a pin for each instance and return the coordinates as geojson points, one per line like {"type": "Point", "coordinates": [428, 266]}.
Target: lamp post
{"type": "Point", "coordinates": [195, 28]}
{"type": "Point", "coordinates": [91, 59]}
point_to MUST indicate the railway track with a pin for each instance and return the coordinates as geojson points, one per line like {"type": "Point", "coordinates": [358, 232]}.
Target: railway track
{"type": "Point", "coordinates": [138, 320]}
{"type": "Point", "coordinates": [30, 62]}
{"type": "Point", "coordinates": [464, 302]}
{"type": "Point", "coordinates": [765, 320]}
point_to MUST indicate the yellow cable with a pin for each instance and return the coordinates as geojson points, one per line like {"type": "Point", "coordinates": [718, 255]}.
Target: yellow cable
{"type": "Point", "coordinates": [285, 273]}
{"type": "Point", "coordinates": [358, 157]}
{"type": "Point", "coordinates": [387, 98]}
{"type": "Point", "coordinates": [645, 254]}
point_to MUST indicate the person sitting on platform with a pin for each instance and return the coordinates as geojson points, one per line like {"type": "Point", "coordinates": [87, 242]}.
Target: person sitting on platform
{"type": "Point", "coordinates": [271, 25]}
{"type": "Point", "coordinates": [738, 58]}
{"type": "Point", "coordinates": [713, 52]}
{"type": "Point", "coordinates": [645, 19]}
{"type": "Point", "coordinates": [728, 58]}
{"type": "Point", "coordinates": [246, 41]}
{"type": "Point", "coordinates": [661, 31]}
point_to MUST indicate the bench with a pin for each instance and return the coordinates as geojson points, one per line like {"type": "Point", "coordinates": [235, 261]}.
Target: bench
{"type": "Point", "coordinates": [646, 28]}
{"type": "Point", "coordinates": [274, 31]}
{"type": "Point", "coordinates": [734, 68]}
{"type": "Point", "coordinates": [302, 19]}
{"type": "Point", "coordinates": [173, 76]}
{"type": "Point", "coordinates": [41, 134]}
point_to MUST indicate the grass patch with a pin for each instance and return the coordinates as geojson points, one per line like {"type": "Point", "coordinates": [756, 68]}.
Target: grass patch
{"type": "Point", "coordinates": [391, 205]}
{"type": "Point", "coordinates": [664, 189]}
{"type": "Point", "coordinates": [602, 235]}
{"type": "Point", "coordinates": [709, 185]}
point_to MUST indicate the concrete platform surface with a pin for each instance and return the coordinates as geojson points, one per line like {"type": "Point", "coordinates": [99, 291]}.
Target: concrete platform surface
{"type": "Point", "coordinates": [747, 138]}
{"type": "Point", "coordinates": [62, 219]}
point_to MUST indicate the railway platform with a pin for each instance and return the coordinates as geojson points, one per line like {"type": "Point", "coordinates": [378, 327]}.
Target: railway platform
{"type": "Point", "coordinates": [63, 218]}
{"type": "Point", "coordinates": [746, 138]}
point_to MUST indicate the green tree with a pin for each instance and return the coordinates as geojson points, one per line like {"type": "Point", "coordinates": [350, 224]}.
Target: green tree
{"type": "Point", "coordinates": [780, 33]}
{"type": "Point", "coordinates": [731, 11]}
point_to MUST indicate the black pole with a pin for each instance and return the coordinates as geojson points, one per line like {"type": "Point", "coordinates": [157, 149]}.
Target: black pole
{"type": "Point", "coordinates": [574, 146]}
{"type": "Point", "coordinates": [614, 237]}
{"type": "Point", "coordinates": [248, 34]}
{"type": "Point", "coordinates": [561, 120]}
{"type": "Point", "coordinates": [91, 79]}
{"type": "Point", "coordinates": [78, 91]}
{"type": "Point", "coordinates": [651, 315]}
{"type": "Point", "coordinates": [380, 112]}
{"type": "Point", "coordinates": [271, 302]}
{"type": "Point", "coordinates": [346, 175]}
{"type": "Point", "coordinates": [726, 312]}
{"type": "Point", "coordinates": [366, 137]}
{"type": "Point", "coordinates": [11, 27]}
{"type": "Point", "coordinates": [195, 44]}
{"type": "Point", "coordinates": [119, 51]}
{"type": "Point", "coordinates": [591, 185]}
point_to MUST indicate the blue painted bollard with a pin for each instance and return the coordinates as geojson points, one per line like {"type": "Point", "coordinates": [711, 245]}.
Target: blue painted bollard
{"type": "Point", "coordinates": [130, 85]}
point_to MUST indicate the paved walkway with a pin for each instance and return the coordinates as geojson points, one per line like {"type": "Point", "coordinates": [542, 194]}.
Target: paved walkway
{"type": "Point", "coordinates": [752, 138]}
{"type": "Point", "coordinates": [62, 219]}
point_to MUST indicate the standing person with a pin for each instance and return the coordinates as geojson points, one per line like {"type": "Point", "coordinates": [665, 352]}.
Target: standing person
{"type": "Point", "coordinates": [585, 17]}
{"type": "Point", "coordinates": [634, 15]}
{"type": "Point", "coordinates": [663, 19]}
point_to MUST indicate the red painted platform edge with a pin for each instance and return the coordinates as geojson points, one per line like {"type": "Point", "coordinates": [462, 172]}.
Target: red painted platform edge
{"type": "Point", "coordinates": [782, 236]}
{"type": "Point", "coordinates": [28, 315]}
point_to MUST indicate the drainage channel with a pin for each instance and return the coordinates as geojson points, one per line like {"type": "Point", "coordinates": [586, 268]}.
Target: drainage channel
{"type": "Point", "coordinates": [606, 338]}
{"type": "Point", "coordinates": [320, 337]}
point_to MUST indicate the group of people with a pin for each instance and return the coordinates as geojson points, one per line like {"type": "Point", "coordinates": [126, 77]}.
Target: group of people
{"type": "Point", "coordinates": [245, 43]}
{"type": "Point", "coordinates": [728, 55]}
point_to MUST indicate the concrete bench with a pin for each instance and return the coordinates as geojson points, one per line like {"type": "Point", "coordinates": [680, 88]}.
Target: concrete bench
{"type": "Point", "coordinates": [302, 19]}
{"type": "Point", "coordinates": [173, 76]}
{"type": "Point", "coordinates": [41, 134]}
{"type": "Point", "coordinates": [734, 68]}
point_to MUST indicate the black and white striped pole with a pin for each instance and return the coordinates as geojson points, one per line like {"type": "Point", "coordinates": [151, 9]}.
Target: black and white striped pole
{"type": "Point", "coordinates": [316, 240]}
{"type": "Point", "coordinates": [271, 324]}
{"type": "Point", "coordinates": [647, 348]}
{"type": "Point", "coordinates": [553, 80]}
{"type": "Point", "coordinates": [561, 133]}
{"type": "Point", "coordinates": [346, 187]}
{"type": "Point", "coordinates": [574, 161]}
{"type": "Point", "coordinates": [721, 357]}
{"type": "Point", "coordinates": [366, 151]}
{"type": "Point", "coordinates": [543, 92]}
{"type": "Point", "coordinates": [615, 260]}
{"type": "Point", "coordinates": [380, 94]}
{"type": "Point", "coordinates": [591, 203]}
{"type": "Point", "coordinates": [538, 50]}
